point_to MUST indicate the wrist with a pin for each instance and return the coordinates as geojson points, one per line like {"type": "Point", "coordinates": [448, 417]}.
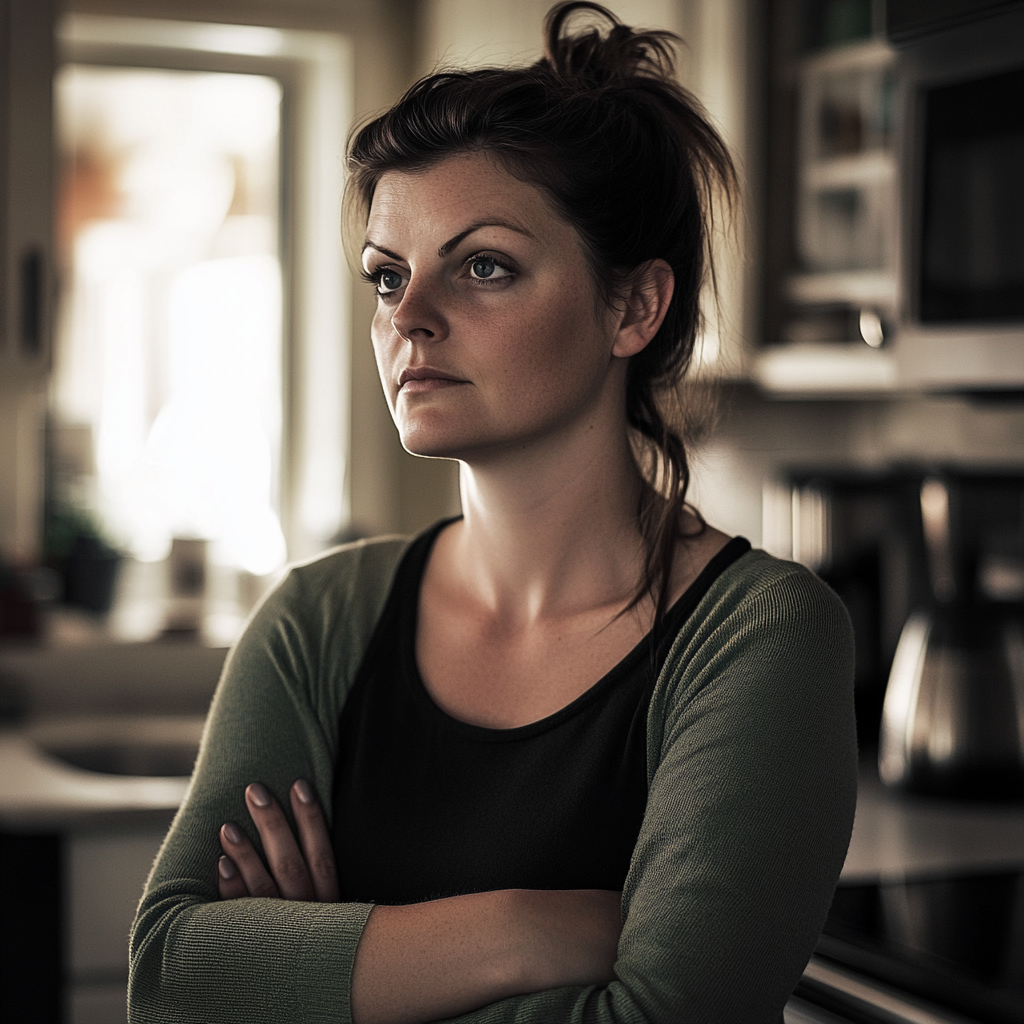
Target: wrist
{"type": "Point", "coordinates": [561, 937]}
{"type": "Point", "coordinates": [515, 961]}
{"type": "Point", "coordinates": [528, 960]}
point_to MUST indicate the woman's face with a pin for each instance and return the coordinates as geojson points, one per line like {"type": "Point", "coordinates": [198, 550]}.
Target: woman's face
{"type": "Point", "coordinates": [489, 334]}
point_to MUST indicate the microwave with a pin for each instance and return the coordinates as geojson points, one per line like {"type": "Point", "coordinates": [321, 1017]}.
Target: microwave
{"type": "Point", "coordinates": [960, 158]}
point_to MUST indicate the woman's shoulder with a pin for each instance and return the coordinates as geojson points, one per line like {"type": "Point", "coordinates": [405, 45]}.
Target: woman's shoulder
{"type": "Point", "coordinates": [770, 646]}
{"type": "Point", "coordinates": [311, 630]}
{"type": "Point", "coordinates": [763, 611]}
{"type": "Point", "coordinates": [336, 595]}
{"type": "Point", "coordinates": [757, 582]}
{"type": "Point", "coordinates": [350, 568]}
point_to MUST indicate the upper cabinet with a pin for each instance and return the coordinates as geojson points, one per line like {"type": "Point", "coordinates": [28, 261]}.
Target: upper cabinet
{"type": "Point", "coordinates": [846, 197]}
{"type": "Point", "coordinates": [882, 209]}
{"type": "Point", "coordinates": [26, 181]}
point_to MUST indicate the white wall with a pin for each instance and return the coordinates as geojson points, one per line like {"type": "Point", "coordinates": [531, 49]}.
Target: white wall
{"type": "Point", "coordinates": [461, 33]}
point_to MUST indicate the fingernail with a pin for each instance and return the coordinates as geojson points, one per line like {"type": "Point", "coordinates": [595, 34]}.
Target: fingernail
{"type": "Point", "coordinates": [304, 791]}
{"type": "Point", "coordinates": [226, 868]}
{"type": "Point", "coordinates": [259, 795]}
{"type": "Point", "coordinates": [233, 833]}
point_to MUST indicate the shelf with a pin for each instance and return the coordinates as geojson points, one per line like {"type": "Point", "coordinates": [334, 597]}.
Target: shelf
{"type": "Point", "coordinates": [827, 370]}
{"type": "Point", "coordinates": [962, 358]}
{"type": "Point", "coordinates": [867, 55]}
{"type": "Point", "coordinates": [858, 287]}
{"type": "Point", "coordinates": [874, 168]}
{"type": "Point", "coordinates": [915, 363]}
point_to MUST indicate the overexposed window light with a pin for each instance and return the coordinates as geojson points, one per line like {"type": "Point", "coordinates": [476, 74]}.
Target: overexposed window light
{"type": "Point", "coordinates": [170, 342]}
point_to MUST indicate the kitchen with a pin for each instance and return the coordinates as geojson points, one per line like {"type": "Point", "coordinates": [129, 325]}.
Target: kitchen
{"type": "Point", "coordinates": [813, 415]}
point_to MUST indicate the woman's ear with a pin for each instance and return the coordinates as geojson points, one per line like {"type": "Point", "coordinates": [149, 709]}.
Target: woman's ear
{"type": "Point", "coordinates": [645, 303]}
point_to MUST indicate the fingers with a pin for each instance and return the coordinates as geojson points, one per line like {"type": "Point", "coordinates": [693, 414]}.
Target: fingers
{"type": "Point", "coordinates": [290, 873]}
{"type": "Point", "coordinates": [316, 842]}
{"type": "Point", "coordinates": [252, 876]}
{"type": "Point", "coordinates": [230, 883]}
{"type": "Point", "coordinates": [284, 858]}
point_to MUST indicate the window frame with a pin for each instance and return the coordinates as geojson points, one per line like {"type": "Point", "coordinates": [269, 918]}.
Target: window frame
{"type": "Point", "coordinates": [315, 71]}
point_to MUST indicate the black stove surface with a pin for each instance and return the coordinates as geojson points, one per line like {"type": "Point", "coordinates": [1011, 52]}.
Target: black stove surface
{"type": "Point", "coordinates": [956, 941]}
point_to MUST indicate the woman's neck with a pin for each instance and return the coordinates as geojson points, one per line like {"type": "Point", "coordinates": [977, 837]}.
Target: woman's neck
{"type": "Point", "coordinates": [551, 530]}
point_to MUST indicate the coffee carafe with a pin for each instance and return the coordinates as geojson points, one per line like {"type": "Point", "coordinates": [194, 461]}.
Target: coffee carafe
{"type": "Point", "coordinates": [953, 716]}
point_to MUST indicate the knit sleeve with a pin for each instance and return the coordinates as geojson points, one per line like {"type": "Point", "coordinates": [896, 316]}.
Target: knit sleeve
{"type": "Point", "coordinates": [274, 717]}
{"type": "Point", "coordinates": [752, 789]}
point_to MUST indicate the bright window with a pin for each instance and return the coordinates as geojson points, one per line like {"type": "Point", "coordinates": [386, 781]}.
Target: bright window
{"type": "Point", "coordinates": [201, 367]}
{"type": "Point", "coordinates": [169, 344]}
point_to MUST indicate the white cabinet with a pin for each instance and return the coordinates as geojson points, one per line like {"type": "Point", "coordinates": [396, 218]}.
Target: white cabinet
{"type": "Point", "coordinates": [833, 204]}
{"type": "Point", "coordinates": [106, 870]}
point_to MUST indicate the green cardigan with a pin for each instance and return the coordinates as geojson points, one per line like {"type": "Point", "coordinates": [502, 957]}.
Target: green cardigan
{"type": "Point", "coordinates": [752, 784]}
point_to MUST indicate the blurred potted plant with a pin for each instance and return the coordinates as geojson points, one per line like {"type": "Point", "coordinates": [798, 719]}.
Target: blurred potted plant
{"type": "Point", "coordinates": [88, 563]}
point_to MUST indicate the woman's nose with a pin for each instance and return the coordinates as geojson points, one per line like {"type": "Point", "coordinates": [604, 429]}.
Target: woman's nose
{"type": "Point", "coordinates": [418, 316]}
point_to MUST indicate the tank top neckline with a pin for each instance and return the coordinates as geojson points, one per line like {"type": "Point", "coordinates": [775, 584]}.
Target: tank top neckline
{"type": "Point", "coordinates": [411, 571]}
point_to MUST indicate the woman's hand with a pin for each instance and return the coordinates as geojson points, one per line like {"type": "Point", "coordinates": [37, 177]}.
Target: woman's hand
{"type": "Point", "coordinates": [302, 870]}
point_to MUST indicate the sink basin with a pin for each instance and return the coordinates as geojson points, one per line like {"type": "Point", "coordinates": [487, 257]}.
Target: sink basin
{"type": "Point", "coordinates": [147, 745]}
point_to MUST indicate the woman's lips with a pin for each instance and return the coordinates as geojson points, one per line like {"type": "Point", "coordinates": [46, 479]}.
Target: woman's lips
{"type": "Point", "coordinates": [422, 379]}
{"type": "Point", "coordinates": [416, 387]}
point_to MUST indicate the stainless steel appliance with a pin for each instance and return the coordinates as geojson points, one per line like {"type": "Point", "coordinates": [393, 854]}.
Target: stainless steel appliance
{"type": "Point", "coordinates": [953, 721]}
{"type": "Point", "coordinates": [894, 245]}
{"type": "Point", "coordinates": [960, 586]}
{"type": "Point", "coordinates": [960, 154]}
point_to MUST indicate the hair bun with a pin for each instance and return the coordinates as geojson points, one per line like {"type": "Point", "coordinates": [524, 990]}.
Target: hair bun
{"type": "Point", "coordinates": [595, 59]}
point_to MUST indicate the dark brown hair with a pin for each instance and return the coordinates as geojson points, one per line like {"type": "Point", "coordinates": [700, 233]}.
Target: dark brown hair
{"type": "Point", "coordinates": [628, 158]}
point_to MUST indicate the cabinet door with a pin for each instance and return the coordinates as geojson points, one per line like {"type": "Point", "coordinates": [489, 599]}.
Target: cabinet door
{"type": "Point", "coordinates": [105, 872]}
{"type": "Point", "coordinates": [27, 60]}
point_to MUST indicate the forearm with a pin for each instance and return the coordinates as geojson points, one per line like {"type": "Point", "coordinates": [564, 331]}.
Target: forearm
{"type": "Point", "coordinates": [259, 960]}
{"type": "Point", "coordinates": [441, 958]}
{"type": "Point", "coordinates": [432, 959]}
{"type": "Point", "coordinates": [428, 961]}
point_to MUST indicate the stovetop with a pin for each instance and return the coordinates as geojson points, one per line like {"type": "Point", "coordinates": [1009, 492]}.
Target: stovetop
{"type": "Point", "coordinates": [957, 941]}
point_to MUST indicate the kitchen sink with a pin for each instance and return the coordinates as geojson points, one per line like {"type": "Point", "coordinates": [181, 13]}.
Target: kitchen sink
{"type": "Point", "coordinates": [138, 745]}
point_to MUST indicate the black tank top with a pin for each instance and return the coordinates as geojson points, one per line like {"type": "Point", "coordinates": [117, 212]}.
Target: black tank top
{"type": "Point", "coordinates": [427, 806]}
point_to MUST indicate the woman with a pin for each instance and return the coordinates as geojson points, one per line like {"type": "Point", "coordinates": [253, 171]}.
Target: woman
{"type": "Point", "coordinates": [581, 756]}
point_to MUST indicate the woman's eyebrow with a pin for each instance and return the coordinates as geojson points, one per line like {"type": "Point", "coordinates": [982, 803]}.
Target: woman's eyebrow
{"type": "Point", "coordinates": [445, 249]}
{"type": "Point", "coordinates": [380, 248]}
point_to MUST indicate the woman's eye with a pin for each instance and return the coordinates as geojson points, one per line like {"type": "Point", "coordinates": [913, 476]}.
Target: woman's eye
{"type": "Point", "coordinates": [388, 281]}
{"type": "Point", "coordinates": [483, 268]}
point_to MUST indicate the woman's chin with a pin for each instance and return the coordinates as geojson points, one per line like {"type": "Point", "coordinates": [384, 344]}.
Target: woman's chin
{"type": "Point", "coordinates": [465, 445]}
{"type": "Point", "coordinates": [437, 433]}
{"type": "Point", "coordinates": [433, 444]}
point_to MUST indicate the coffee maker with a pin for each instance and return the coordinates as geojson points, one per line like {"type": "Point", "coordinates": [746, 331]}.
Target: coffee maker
{"type": "Point", "coordinates": [929, 561]}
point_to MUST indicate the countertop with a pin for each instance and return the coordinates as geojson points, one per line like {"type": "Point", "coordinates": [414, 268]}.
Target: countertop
{"type": "Point", "coordinates": [130, 689]}
{"type": "Point", "coordinates": [897, 835]}
{"type": "Point", "coordinates": [40, 793]}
